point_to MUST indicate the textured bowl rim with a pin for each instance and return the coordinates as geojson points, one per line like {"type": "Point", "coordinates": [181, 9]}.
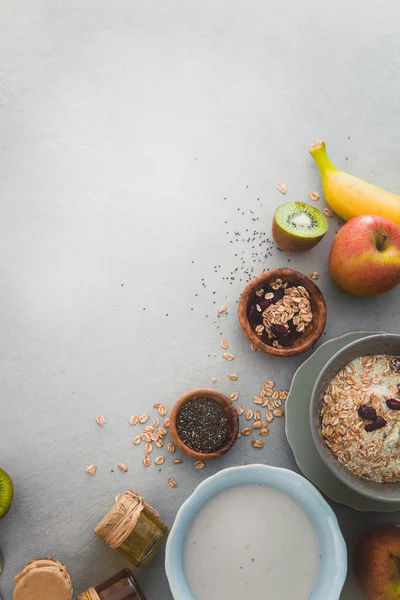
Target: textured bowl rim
{"type": "Point", "coordinates": [322, 450]}
{"type": "Point", "coordinates": [330, 580]}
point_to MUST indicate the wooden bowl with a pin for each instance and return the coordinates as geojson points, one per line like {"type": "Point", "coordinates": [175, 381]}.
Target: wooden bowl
{"type": "Point", "coordinates": [318, 306]}
{"type": "Point", "coordinates": [230, 412]}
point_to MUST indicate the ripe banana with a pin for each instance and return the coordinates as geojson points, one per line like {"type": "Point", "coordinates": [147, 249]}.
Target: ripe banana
{"type": "Point", "coordinates": [351, 197]}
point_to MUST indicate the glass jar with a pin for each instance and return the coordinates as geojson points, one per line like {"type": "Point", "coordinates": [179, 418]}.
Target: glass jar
{"type": "Point", "coordinates": [122, 586]}
{"type": "Point", "coordinates": [132, 527]}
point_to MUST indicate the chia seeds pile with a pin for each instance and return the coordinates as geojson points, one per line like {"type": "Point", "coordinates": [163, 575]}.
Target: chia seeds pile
{"type": "Point", "coordinates": [202, 425]}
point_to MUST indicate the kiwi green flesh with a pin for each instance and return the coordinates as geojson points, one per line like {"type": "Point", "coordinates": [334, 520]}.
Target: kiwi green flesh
{"type": "Point", "coordinates": [301, 220]}
{"type": "Point", "coordinates": [6, 493]}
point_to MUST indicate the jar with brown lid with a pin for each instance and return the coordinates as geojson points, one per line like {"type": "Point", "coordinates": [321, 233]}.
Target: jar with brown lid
{"type": "Point", "coordinates": [122, 586]}
{"type": "Point", "coordinates": [132, 527]}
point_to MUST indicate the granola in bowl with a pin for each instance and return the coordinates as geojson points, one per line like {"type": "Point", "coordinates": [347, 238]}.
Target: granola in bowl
{"type": "Point", "coordinates": [360, 417]}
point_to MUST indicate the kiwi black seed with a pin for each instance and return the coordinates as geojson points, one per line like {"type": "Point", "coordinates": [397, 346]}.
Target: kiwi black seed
{"type": "Point", "coordinates": [6, 492]}
{"type": "Point", "coordinates": [298, 226]}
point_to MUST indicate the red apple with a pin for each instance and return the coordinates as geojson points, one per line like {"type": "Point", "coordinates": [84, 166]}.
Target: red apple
{"type": "Point", "coordinates": [365, 256]}
{"type": "Point", "coordinates": [376, 562]}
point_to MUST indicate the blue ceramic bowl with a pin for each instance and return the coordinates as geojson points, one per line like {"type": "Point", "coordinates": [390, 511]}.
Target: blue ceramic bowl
{"type": "Point", "coordinates": [333, 554]}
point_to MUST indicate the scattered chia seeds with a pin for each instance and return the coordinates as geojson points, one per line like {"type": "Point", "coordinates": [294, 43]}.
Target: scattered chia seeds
{"type": "Point", "coordinates": [202, 425]}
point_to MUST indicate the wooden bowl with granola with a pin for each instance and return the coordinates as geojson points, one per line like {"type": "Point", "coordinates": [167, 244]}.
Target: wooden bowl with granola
{"type": "Point", "coordinates": [282, 312]}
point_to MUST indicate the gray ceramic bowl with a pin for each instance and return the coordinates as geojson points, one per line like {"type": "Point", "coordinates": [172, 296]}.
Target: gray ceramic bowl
{"type": "Point", "coordinates": [383, 343]}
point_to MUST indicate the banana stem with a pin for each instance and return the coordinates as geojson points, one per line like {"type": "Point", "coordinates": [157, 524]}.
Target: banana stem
{"type": "Point", "coordinates": [319, 154]}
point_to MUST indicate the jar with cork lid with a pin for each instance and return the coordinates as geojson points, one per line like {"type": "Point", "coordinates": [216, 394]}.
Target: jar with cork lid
{"type": "Point", "coordinates": [133, 528]}
{"type": "Point", "coordinates": [122, 586]}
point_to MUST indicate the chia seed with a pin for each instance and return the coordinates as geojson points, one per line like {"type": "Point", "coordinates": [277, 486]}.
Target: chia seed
{"type": "Point", "coordinates": [202, 425]}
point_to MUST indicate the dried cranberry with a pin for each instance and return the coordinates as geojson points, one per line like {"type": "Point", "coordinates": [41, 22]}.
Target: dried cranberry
{"type": "Point", "coordinates": [280, 331]}
{"type": "Point", "coordinates": [287, 341]}
{"type": "Point", "coordinates": [398, 387]}
{"type": "Point", "coordinates": [263, 304]}
{"type": "Point", "coordinates": [377, 424]}
{"type": "Point", "coordinates": [278, 295]}
{"type": "Point", "coordinates": [393, 404]}
{"type": "Point", "coordinates": [367, 413]}
{"type": "Point", "coordinates": [396, 363]}
{"type": "Point", "coordinates": [255, 316]}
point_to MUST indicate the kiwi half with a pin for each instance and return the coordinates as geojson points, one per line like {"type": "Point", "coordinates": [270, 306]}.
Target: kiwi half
{"type": "Point", "coordinates": [6, 493]}
{"type": "Point", "coordinates": [298, 226]}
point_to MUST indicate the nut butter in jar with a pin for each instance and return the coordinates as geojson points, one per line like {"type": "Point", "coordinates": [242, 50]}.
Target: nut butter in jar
{"type": "Point", "coordinates": [123, 586]}
{"type": "Point", "coordinates": [132, 527]}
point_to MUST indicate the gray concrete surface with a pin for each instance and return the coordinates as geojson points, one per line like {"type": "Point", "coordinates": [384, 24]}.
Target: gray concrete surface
{"type": "Point", "coordinates": [136, 138]}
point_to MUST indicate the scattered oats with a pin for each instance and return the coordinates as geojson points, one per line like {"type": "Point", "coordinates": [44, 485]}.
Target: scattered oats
{"type": "Point", "coordinates": [271, 405]}
{"type": "Point", "coordinates": [222, 309]}
{"type": "Point", "coordinates": [156, 422]}
{"type": "Point", "coordinates": [91, 469]}
{"type": "Point", "coordinates": [283, 394]}
{"type": "Point", "coordinates": [314, 275]}
{"type": "Point", "coordinates": [146, 437]}
{"type": "Point", "coordinates": [166, 423]}
{"type": "Point", "coordinates": [161, 432]}
{"type": "Point", "coordinates": [314, 196]}
{"type": "Point", "coordinates": [146, 460]}
{"type": "Point", "coordinates": [100, 420]}
{"type": "Point", "coordinates": [214, 380]}
{"type": "Point", "coordinates": [249, 414]}
{"type": "Point", "coordinates": [123, 467]}
{"type": "Point", "coordinates": [257, 415]}
{"type": "Point", "coordinates": [157, 405]}
{"type": "Point", "coordinates": [134, 420]}
{"type": "Point", "coordinates": [264, 431]}
{"type": "Point", "coordinates": [257, 400]}
{"type": "Point", "coordinates": [233, 377]}
{"type": "Point", "coordinates": [137, 439]}
{"type": "Point", "coordinates": [172, 482]}
{"type": "Point", "coordinates": [269, 383]}
{"type": "Point", "coordinates": [269, 416]}
{"type": "Point", "coordinates": [257, 425]}
{"type": "Point", "coordinates": [278, 412]}
{"type": "Point", "coordinates": [177, 461]}
{"type": "Point", "coordinates": [148, 448]}
{"type": "Point", "coordinates": [282, 188]}
{"type": "Point", "coordinates": [199, 464]}
{"type": "Point", "coordinates": [240, 410]}
{"type": "Point", "coordinates": [162, 410]}
{"type": "Point", "coordinates": [275, 395]}
{"type": "Point", "coordinates": [228, 356]}
{"type": "Point", "coordinates": [154, 437]}
{"type": "Point", "coordinates": [159, 460]}
{"type": "Point", "coordinates": [328, 212]}
{"type": "Point", "coordinates": [159, 443]}
{"type": "Point", "coordinates": [253, 348]}
{"type": "Point", "coordinates": [257, 444]}
{"type": "Point", "coordinates": [143, 418]}
{"type": "Point", "coordinates": [234, 396]}
{"type": "Point", "coordinates": [171, 448]}
{"type": "Point", "coordinates": [224, 344]}
{"type": "Point", "coordinates": [246, 431]}
{"type": "Point", "coordinates": [148, 429]}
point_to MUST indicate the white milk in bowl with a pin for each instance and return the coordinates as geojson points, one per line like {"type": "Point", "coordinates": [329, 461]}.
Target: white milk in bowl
{"type": "Point", "coordinates": [251, 541]}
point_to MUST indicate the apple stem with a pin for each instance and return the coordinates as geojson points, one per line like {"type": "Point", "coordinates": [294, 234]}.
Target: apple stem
{"type": "Point", "coordinates": [380, 243]}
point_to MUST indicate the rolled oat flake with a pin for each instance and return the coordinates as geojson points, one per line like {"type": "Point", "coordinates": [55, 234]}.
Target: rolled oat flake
{"type": "Point", "coordinates": [202, 425]}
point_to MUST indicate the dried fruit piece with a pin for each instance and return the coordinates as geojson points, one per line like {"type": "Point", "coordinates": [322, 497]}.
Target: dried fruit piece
{"type": "Point", "coordinates": [224, 344]}
{"type": "Point", "coordinates": [91, 469]}
{"type": "Point", "coordinates": [143, 418]}
{"type": "Point", "coordinates": [100, 420]}
{"type": "Point", "coordinates": [199, 464]}
{"type": "Point", "coordinates": [123, 467]}
{"type": "Point", "coordinates": [377, 424]}
{"type": "Point", "coordinates": [223, 308]}
{"type": "Point", "coordinates": [146, 460]}
{"type": "Point", "coordinates": [228, 356]}
{"type": "Point", "coordinates": [233, 377]}
{"type": "Point", "coordinates": [393, 404]}
{"type": "Point", "coordinates": [368, 413]}
{"type": "Point", "coordinates": [234, 396]}
{"type": "Point", "coordinates": [282, 188]}
{"type": "Point", "coordinates": [134, 420]}
{"type": "Point", "coordinates": [137, 439]}
{"type": "Point", "coordinates": [171, 448]}
{"type": "Point", "coordinates": [257, 444]}
{"type": "Point", "coordinates": [172, 482]}
{"type": "Point", "coordinates": [159, 460]}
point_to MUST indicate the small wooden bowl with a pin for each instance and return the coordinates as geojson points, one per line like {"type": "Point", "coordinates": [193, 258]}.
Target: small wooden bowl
{"type": "Point", "coordinates": [318, 305]}
{"type": "Point", "coordinates": [230, 411]}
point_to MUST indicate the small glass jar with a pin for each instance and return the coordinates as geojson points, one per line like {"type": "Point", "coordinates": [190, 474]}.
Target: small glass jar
{"type": "Point", "coordinates": [122, 586]}
{"type": "Point", "coordinates": [132, 527]}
